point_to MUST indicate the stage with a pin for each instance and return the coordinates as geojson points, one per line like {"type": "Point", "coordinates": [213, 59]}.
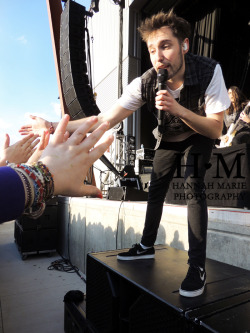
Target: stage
{"type": "Point", "coordinates": [142, 296]}
{"type": "Point", "coordinates": [93, 225]}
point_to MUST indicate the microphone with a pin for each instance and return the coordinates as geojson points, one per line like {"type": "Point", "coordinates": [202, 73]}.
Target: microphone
{"type": "Point", "coordinates": [162, 77]}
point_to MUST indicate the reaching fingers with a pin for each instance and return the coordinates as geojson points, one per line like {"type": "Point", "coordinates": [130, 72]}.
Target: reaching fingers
{"type": "Point", "coordinates": [32, 152]}
{"type": "Point", "coordinates": [30, 141]}
{"type": "Point", "coordinates": [100, 149]}
{"type": "Point", "coordinates": [78, 136]}
{"type": "Point", "coordinates": [58, 136]}
{"type": "Point", "coordinates": [44, 140]}
{"type": "Point", "coordinates": [41, 145]}
{"type": "Point", "coordinates": [90, 190]}
{"type": "Point", "coordinates": [26, 129]}
{"type": "Point", "coordinates": [66, 136]}
{"type": "Point", "coordinates": [89, 142]}
{"type": "Point", "coordinates": [6, 141]}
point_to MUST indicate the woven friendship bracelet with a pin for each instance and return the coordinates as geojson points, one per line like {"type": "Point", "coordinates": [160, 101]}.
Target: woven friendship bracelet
{"type": "Point", "coordinates": [38, 186]}
{"type": "Point", "coordinates": [39, 174]}
{"type": "Point", "coordinates": [48, 177]}
{"type": "Point", "coordinates": [39, 191]}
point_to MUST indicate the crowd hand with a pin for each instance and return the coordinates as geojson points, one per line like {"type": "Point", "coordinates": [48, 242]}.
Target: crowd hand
{"type": "Point", "coordinates": [19, 152]}
{"type": "Point", "coordinates": [69, 158]}
{"type": "Point", "coordinates": [37, 126]}
{"type": "Point", "coordinates": [40, 148]}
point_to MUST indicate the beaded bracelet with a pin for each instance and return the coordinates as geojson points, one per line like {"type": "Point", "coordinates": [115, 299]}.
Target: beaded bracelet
{"type": "Point", "coordinates": [39, 191]}
{"type": "Point", "coordinates": [48, 178]}
{"type": "Point", "coordinates": [38, 186]}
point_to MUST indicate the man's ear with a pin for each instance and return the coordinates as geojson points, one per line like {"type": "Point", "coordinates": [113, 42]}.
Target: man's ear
{"type": "Point", "coordinates": [185, 45]}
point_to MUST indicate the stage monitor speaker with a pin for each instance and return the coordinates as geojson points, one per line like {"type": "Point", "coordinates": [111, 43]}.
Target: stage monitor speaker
{"type": "Point", "coordinates": [144, 166]}
{"type": "Point", "coordinates": [114, 304]}
{"type": "Point", "coordinates": [75, 81]}
{"type": "Point", "coordinates": [126, 193]}
{"type": "Point", "coordinates": [142, 296]}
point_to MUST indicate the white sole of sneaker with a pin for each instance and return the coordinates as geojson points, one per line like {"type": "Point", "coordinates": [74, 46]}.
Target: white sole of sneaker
{"type": "Point", "coordinates": [146, 256]}
{"type": "Point", "coordinates": [193, 293]}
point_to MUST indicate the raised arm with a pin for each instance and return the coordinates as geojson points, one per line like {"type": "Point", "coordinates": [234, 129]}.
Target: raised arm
{"type": "Point", "coordinates": [20, 151]}
{"type": "Point", "coordinates": [62, 169]}
{"type": "Point", "coordinates": [38, 125]}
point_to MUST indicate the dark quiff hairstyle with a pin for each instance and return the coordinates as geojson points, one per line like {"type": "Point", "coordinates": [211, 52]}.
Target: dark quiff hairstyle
{"type": "Point", "coordinates": [180, 27]}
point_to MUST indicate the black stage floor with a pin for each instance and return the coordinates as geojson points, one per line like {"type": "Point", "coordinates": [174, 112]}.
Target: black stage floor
{"type": "Point", "coordinates": [143, 295]}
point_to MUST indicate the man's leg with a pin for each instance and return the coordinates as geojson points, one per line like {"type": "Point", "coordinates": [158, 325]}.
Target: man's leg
{"type": "Point", "coordinates": [197, 156]}
{"type": "Point", "coordinates": [163, 169]}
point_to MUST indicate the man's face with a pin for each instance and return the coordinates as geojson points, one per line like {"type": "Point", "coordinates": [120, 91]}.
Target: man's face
{"type": "Point", "coordinates": [165, 51]}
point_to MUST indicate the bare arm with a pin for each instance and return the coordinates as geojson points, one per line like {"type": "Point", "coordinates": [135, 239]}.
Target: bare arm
{"type": "Point", "coordinates": [210, 126]}
{"type": "Point", "coordinates": [115, 115]}
{"type": "Point", "coordinates": [20, 151]}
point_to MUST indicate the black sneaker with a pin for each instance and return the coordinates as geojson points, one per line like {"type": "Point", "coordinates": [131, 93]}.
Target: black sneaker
{"type": "Point", "coordinates": [137, 252]}
{"type": "Point", "coordinates": [194, 283]}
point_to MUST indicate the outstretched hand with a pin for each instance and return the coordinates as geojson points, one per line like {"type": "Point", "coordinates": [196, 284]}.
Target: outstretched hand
{"type": "Point", "coordinates": [69, 159]}
{"type": "Point", "coordinates": [40, 148]}
{"type": "Point", "coordinates": [37, 126]}
{"type": "Point", "coordinates": [20, 151]}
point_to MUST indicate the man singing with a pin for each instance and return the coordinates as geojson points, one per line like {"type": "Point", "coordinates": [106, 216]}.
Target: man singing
{"type": "Point", "coordinates": [193, 106]}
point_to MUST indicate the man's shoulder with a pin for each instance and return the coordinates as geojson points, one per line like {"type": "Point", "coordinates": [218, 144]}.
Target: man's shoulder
{"type": "Point", "coordinates": [200, 60]}
{"type": "Point", "coordinates": [199, 69]}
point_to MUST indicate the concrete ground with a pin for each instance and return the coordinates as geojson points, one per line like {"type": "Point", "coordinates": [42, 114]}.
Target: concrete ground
{"type": "Point", "coordinates": [31, 296]}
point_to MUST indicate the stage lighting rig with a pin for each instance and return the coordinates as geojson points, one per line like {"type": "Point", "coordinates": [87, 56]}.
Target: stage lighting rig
{"type": "Point", "coordinates": [130, 150]}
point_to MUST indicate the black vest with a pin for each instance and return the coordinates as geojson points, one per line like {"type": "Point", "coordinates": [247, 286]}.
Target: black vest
{"type": "Point", "coordinates": [198, 74]}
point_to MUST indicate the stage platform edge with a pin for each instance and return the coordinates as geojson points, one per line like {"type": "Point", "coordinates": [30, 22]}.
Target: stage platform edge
{"type": "Point", "coordinates": [142, 296]}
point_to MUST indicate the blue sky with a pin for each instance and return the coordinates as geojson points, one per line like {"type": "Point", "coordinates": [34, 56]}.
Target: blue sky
{"type": "Point", "coordinates": [28, 83]}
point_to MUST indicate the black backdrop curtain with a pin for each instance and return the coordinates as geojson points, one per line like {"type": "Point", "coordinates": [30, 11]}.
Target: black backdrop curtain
{"type": "Point", "coordinates": [205, 32]}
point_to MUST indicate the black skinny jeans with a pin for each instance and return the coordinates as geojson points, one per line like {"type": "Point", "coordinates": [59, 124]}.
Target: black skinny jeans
{"type": "Point", "coordinates": [196, 150]}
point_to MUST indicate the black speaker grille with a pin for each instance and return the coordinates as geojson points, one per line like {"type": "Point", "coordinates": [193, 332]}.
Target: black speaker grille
{"type": "Point", "coordinates": [75, 82]}
{"type": "Point", "coordinates": [149, 315]}
{"type": "Point", "coordinates": [101, 307]}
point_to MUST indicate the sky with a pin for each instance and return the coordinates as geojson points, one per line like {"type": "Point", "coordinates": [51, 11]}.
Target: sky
{"type": "Point", "coordinates": [28, 83]}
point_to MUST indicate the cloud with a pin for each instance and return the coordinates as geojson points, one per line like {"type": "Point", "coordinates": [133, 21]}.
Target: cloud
{"type": "Point", "coordinates": [56, 108]}
{"type": "Point", "coordinates": [4, 125]}
{"type": "Point", "coordinates": [22, 40]}
{"type": "Point", "coordinates": [11, 129]}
